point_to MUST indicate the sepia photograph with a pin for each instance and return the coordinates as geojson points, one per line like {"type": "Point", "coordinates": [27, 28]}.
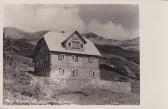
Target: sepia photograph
{"type": "Point", "coordinates": [63, 54]}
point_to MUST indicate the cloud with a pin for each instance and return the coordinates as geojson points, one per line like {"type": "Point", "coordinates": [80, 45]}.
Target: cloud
{"type": "Point", "coordinates": [108, 30]}
{"type": "Point", "coordinates": [34, 18]}
{"type": "Point", "coordinates": [31, 18]}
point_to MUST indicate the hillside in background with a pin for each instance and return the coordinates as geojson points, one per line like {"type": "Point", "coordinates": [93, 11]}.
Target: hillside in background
{"type": "Point", "coordinates": [130, 44]}
{"type": "Point", "coordinates": [17, 34]}
{"type": "Point", "coordinates": [14, 33]}
{"type": "Point", "coordinates": [18, 47]}
{"type": "Point", "coordinates": [119, 62]}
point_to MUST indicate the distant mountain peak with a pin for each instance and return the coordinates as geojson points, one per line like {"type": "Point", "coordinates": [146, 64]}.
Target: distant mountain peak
{"type": "Point", "coordinates": [92, 35]}
{"type": "Point", "coordinates": [100, 40]}
{"type": "Point", "coordinates": [15, 33]}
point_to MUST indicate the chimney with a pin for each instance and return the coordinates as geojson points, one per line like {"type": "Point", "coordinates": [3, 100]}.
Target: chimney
{"type": "Point", "coordinates": [62, 31]}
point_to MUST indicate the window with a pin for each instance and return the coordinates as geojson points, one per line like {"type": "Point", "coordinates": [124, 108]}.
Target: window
{"type": "Point", "coordinates": [75, 72]}
{"type": "Point", "coordinates": [75, 58]}
{"type": "Point", "coordinates": [75, 45]}
{"type": "Point", "coordinates": [61, 71]}
{"type": "Point", "coordinates": [90, 59]}
{"type": "Point", "coordinates": [69, 44]}
{"type": "Point", "coordinates": [91, 73]}
{"type": "Point", "coordinates": [60, 56]}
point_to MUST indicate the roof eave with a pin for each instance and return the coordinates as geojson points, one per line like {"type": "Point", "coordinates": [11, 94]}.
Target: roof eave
{"type": "Point", "coordinates": [99, 55]}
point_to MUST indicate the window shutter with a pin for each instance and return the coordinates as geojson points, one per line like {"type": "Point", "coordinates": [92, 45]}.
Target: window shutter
{"type": "Point", "coordinates": [81, 45]}
{"type": "Point", "coordinates": [72, 57]}
{"type": "Point", "coordinates": [73, 72]}
{"type": "Point", "coordinates": [62, 56]}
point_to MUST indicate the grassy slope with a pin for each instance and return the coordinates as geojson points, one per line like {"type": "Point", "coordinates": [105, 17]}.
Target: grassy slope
{"type": "Point", "coordinates": [121, 58]}
{"type": "Point", "coordinates": [130, 44]}
{"type": "Point", "coordinates": [121, 64]}
{"type": "Point", "coordinates": [20, 87]}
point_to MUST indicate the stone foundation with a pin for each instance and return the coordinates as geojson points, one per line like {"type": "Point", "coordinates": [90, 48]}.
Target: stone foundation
{"type": "Point", "coordinates": [124, 87]}
{"type": "Point", "coordinates": [75, 85]}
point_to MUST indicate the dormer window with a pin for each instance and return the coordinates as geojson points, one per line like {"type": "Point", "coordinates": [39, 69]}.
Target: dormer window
{"type": "Point", "coordinates": [75, 45]}
{"type": "Point", "coordinates": [74, 41]}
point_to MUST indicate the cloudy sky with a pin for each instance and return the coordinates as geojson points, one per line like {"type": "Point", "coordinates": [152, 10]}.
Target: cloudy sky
{"type": "Point", "coordinates": [110, 21]}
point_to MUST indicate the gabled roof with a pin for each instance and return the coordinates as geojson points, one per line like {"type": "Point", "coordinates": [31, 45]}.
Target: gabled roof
{"type": "Point", "coordinates": [76, 32]}
{"type": "Point", "coordinates": [54, 42]}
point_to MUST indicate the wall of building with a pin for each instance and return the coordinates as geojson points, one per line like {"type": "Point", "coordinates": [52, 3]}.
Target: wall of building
{"type": "Point", "coordinates": [135, 87]}
{"type": "Point", "coordinates": [94, 64]}
{"type": "Point", "coordinates": [72, 63]}
{"type": "Point", "coordinates": [115, 86]}
{"type": "Point", "coordinates": [42, 59]}
{"type": "Point", "coordinates": [68, 61]}
{"type": "Point", "coordinates": [55, 61]}
{"type": "Point", "coordinates": [82, 73]}
{"type": "Point", "coordinates": [85, 69]}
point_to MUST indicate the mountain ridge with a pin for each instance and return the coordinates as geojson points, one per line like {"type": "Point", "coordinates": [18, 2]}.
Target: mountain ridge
{"type": "Point", "coordinates": [131, 44]}
{"type": "Point", "coordinates": [30, 37]}
{"type": "Point", "coordinates": [33, 37]}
